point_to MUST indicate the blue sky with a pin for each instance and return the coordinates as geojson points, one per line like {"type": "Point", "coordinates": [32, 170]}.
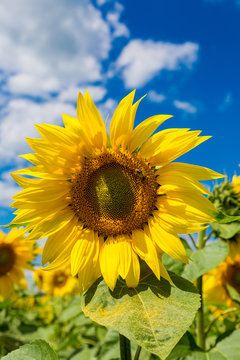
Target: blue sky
{"type": "Point", "coordinates": [184, 54]}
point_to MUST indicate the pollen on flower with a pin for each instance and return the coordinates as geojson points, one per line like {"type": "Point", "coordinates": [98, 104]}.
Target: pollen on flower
{"type": "Point", "coordinates": [114, 193]}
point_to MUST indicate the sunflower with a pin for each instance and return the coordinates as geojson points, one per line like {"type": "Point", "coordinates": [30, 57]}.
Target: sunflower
{"type": "Point", "coordinates": [236, 184]}
{"type": "Point", "coordinates": [216, 281]}
{"type": "Point", "coordinates": [104, 202]}
{"type": "Point", "coordinates": [15, 254]}
{"type": "Point", "coordinates": [226, 198]}
{"type": "Point", "coordinates": [57, 283]}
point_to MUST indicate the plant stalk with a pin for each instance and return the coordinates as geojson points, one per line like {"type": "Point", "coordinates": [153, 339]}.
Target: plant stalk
{"type": "Point", "coordinates": [136, 357]}
{"type": "Point", "coordinates": [200, 315]}
{"type": "Point", "coordinates": [125, 349]}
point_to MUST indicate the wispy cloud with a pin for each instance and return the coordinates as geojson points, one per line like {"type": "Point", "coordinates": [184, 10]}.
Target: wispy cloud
{"type": "Point", "coordinates": [141, 60]}
{"type": "Point", "coordinates": [156, 97]}
{"type": "Point", "coordinates": [185, 106]}
{"type": "Point", "coordinates": [227, 101]}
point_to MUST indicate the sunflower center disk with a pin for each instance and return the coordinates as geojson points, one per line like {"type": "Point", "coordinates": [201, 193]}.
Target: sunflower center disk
{"type": "Point", "coordinates": [60, 280]}
{"type": "Point", "coordinates": [236, 278]}
{"type": "Point", "coordinates": [111, 191]}
{"type": "Point", "coordinates": [114, 193]}
{"type": "Point", "coordinates": [7, 259]}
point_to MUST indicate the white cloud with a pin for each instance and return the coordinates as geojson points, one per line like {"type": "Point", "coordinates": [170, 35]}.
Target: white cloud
{"type": "Point", "coordinates": [102, 2]}
{"type": "Point", "coordinates": [70, 94]}
{"type": "Point", "coordinates": [156, 97]}
{"type": "Point", "coordinates": [186, 106]}
{"type": "Point", "coordinates": [8, 189]}
{"type": "Point", "coordinates": [113, 18]}
{"type": "Point", "coordinates": [141, 60]}
{"type": "Point", "coordinates": [19, 118]}
{"type": "Point", "coordinates": [51, 45]}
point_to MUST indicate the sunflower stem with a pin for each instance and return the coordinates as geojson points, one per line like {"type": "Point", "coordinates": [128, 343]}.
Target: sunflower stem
{"type": "Point", "coordinates": [200, 315]}
{"type": "Point", "coordinates": [136, 357]}
{"type": "Point", "coordinates": [125, 349]}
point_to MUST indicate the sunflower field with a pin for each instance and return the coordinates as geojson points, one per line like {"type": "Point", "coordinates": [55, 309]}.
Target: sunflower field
{"type": "Point", "coordinates": [116, 250]}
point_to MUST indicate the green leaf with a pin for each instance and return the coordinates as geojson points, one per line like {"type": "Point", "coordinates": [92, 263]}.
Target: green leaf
{"type": "Point", "coordinates": [234, 294]}
{"type": "Point", "coordinates": [183, 348]}
{"type": "Point", "coordinates": [155, 314]}
{"type": "Point", "coordinates": [204, 260]}
{"type": "Point", "coordinates": [227, 349]}
{"type": "Point", "coordinates": [226, 231]}
{"type": "Point", "coordinates": [36, 350]}
{"type": "Point", "coordinates": [222, 218]}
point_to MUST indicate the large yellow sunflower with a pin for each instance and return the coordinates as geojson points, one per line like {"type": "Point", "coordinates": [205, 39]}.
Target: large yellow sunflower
{"type": "Point", "coordinates": [106, 202]}
{"type": "Point", "coordinates": [56, 283]}
{"type": "Point", "coordinates": [16, 252]}
{"type": "Point", "coordinates": [215, 290]}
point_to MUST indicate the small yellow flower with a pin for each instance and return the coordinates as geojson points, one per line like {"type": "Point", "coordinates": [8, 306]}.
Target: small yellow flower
{"type": "Point", "coordinates": [56, 283]}
{"type": "Point", "coordinates": [15, 254]}
{"type": "Point", "coordinates": [104, 202]}
{"type": "Point", "coordinates": [215, 282]}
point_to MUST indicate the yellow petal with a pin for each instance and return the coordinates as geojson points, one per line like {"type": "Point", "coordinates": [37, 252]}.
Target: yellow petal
{"type": "Point", "coordinates": [91, 121]}
{"type": "Point", "coordinates": [191, 205]}
{"type": "Point", "coordinates": [133, 276]}
{"type": "Point", "coordinates": [122, 122]}
{"type": "Point", "coordinates": [58, 242]}
{"type": "Point", "coordinates": [55, 134]}
{"type": "Point", "coordinates": [168, 145]}
{"type": "Point", "coordinates": [88, 275]}
{"type": "Point", "coordinates": [144, 130]}
{"type": "Point", "coordinates": [85, 249]}
{"type": "Point", "coordinates": [145, 248]}
{"type": "Point", "coordinates": [125, 255]}
{"type": "Point", "coordinates": [174, 180]}
{"type": "Point", "coordinates": [174, 224]}
{"type": "Point", "coordinates": [109, 261]}
{"type": "Point", "coordinates": [39, 171]}
{"type": "Point", "coordinates": [197, 172]}
{"type": "Point", "coordinates": [26, 182]}
{"type": "Point", "coordinates": [50, 225]}
{"type": "Point", "coordinates": [168, 242]}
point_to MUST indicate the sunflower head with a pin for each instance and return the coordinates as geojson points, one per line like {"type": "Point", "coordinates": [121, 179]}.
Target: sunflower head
{"type": "Point", "coordinates": [16, 253]}
{"type": "Point", "coordinates": [107, 201]}
{"type": "Point", "coordinates": [226, 198]}
{"type": "Point", "coordinates": [216, 282]}
{"type": "Point", "coordinates": [56, 283]}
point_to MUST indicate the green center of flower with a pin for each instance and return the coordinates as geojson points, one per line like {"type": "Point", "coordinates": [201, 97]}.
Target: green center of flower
{"type": "Point", "coordinates": [7, 258]}
{"type": "Point", "coordinates": [114, 193]}
{"type": "Point", "coordinates": [111, 191]}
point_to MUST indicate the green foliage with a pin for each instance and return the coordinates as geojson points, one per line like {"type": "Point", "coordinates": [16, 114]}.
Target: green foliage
{"type": "Point", "coordinates": [227, 349]}
{"type": "Point", "coordinates": [204, 260]}
{"type": "Point", "coordinates": [227, 202]}
{"type": "Point", "coordinates": [226, 231]}
{"type": "Point", "coordinates": [36, 350]}
{"type": "Point", "coordinates": [155, 315]}
{"type": "Point", "coordinates": [201, 261]}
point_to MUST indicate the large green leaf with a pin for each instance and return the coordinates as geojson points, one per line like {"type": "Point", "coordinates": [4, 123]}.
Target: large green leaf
{"type": "Point", "coordinates": [155, 314]}
{"type": "Point", "coordinates": [36, 350]}
{"type": "Point", "coordinates": [226, 231]}
{"type": "Point", "coordinates": [227, 349]}
{"type": "Point", "coordinates": [205, 259]}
